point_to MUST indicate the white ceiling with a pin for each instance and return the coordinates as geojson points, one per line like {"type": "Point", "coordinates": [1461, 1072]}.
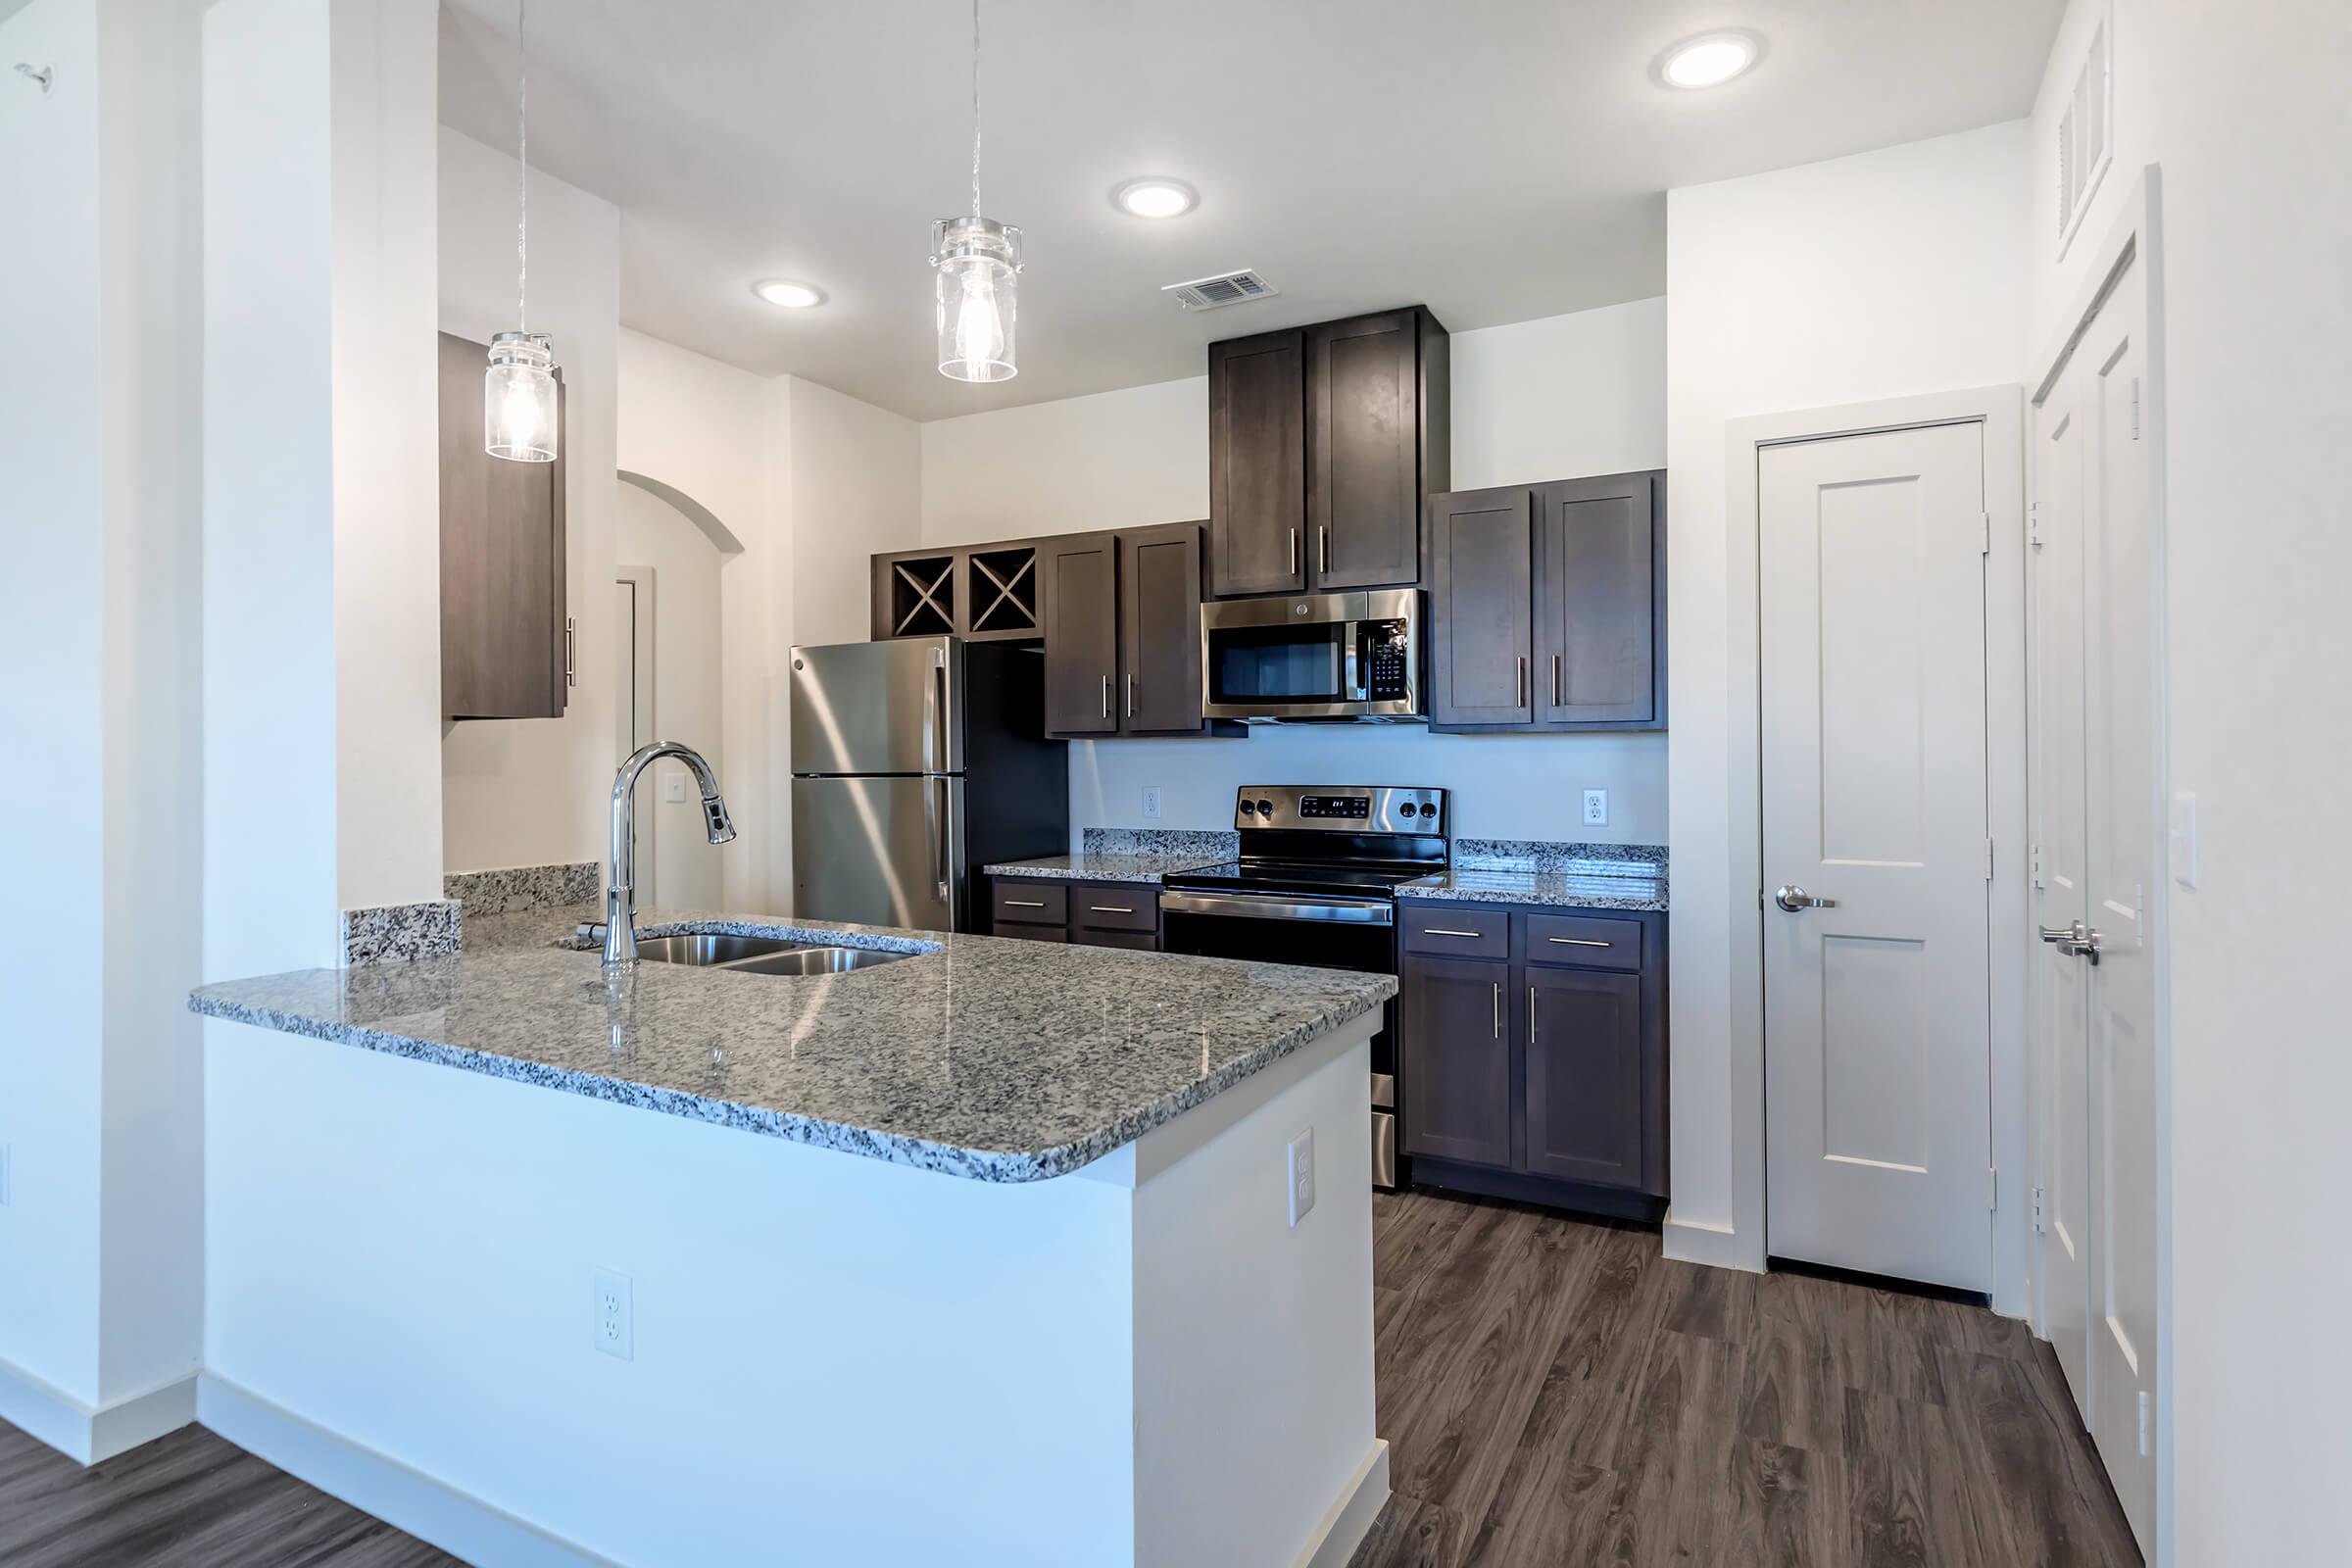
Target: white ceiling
{"type": "Point", "coordinates": [1499, 160]}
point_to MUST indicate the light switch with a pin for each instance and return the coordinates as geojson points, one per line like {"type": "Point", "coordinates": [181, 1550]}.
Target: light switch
{"type": "Point", "coordinates": [673, 786]}
{"type": "Point", "coordinates": [2181, 839]}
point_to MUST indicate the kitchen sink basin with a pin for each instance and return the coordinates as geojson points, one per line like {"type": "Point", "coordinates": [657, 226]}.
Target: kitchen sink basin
{"type": "Point", "coordinates": [759, 954]}
{"type": "Point", "coordinates": [817, 960]}
{"type": "Point", "coordinates": [705, 951]}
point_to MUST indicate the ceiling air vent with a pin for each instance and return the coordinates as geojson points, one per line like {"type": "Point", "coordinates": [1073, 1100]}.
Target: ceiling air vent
{"type": "Point", "coordinates": [1226, 288]}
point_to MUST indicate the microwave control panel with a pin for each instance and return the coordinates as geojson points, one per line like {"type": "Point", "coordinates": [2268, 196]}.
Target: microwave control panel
{"type": "Point", "coordinates": [1385, 651]}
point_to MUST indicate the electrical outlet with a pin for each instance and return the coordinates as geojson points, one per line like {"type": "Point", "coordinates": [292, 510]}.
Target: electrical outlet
{"type": "Point", "coordinates": [615, 1327]}
{"type": "Point", "coordinates": [1302, 1175]}
{"type": "Point", "coordinates": [1151, 800]}
{"type": "Point", "coordinates": [673, 786]}
{"type": "Point", "coordinates": [1597, 807]}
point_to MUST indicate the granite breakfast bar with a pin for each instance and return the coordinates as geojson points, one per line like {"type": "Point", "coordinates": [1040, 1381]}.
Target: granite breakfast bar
{"type": "Point", "coordinates": [980, 1254]}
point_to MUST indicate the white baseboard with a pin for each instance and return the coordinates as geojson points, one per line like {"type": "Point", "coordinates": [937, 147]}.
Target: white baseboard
{"type": "Point", "coordinates": [1715, 1245]}
{"type": "Point", "coordinates": [87, 1434]}
{"type": "Point", "coordinates": [1342, 1528]}
{"type": "Point", "coordinates": [425, 1507]}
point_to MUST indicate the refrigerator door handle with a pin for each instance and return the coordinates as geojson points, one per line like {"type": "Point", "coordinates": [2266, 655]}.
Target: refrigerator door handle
{"type": "Point", "coordinates": [938, 805]}
{"type": "Point", "coordinates": [935, 709]}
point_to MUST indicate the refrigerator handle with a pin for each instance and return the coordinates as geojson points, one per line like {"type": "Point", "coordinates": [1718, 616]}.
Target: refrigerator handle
{"type": "Point", "coordinates": [935, 709]}
{"type": "Point", "coordinates": [936, 807]}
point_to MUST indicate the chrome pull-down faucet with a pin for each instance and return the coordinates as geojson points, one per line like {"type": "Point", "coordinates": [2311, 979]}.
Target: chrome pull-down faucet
{"type": "Point", "coordinates": [620, 892]}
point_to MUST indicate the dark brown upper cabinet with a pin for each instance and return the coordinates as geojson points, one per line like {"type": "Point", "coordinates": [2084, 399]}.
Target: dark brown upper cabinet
{"type": "Point", "coordinates": [506, 640]}
{"type": "Point", "coordinates": [1323, 442]}
{"type": "Point", "coordinates": [1547, 606]}
{"type": "Point", "coordinates": [1122, 631]}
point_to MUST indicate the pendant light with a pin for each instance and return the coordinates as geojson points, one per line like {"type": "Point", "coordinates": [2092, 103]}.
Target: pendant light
{"type": "Point", "coordinates": [978, 262]}
{"type": "Point", "coordinates": [518, 390]}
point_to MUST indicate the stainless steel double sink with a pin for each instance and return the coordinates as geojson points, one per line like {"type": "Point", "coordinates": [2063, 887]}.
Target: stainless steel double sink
{"type": "Point", "coordinates": [761, 954]}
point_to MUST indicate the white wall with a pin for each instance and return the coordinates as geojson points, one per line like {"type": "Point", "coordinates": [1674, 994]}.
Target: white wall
{"type": "Point", "coordinates": [2244, 113]}
{"type": "Point", "coordinates": [534, 792]}
{"type": "Point", "coordinates": [1878, 276]}
{"type": "Point", "coordinates": [1570, 395]}
{"type": "Point", "coordinates": [685, 870]}
{"type": "Point", "coordinates": [857, 488]}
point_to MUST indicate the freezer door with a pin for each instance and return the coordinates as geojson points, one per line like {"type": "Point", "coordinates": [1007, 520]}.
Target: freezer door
{"type": "Point", "coordinates": [879, 851]}
{"type": "Point", "coordinates": [891, 707]}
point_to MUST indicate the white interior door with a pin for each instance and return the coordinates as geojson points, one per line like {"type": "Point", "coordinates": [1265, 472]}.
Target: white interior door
{"type": "Point", "coordinates": [633, 714]}
{"type": "Point", "coordinates": [1878, 1096]}
{"type": "Point", "coordinates": [2061, 878]}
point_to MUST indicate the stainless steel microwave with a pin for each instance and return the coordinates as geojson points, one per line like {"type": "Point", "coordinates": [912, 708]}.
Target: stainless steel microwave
{"type": "Point", "coordinates": [1318, 656]}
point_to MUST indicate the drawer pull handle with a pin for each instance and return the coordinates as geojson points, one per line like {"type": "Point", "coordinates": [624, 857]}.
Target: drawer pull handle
{"type": "Point", "coordinates": [1108, 908]}
{"type": "Point", "coordinates": [1024, 904]}
{"type": "Point", "coordinates": [1441, 931]}
{"type": "Point", "coordinates": [1579, 941]}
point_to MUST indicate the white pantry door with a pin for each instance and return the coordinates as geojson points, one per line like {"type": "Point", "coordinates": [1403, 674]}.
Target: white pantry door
{"type": "Point", "coordinates": [1878, 1091]}
{"type": "Point", "coordinates": [2099, 995]}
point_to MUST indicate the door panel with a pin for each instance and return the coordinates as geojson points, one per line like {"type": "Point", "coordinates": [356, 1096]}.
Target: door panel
{"type": "Point", "coordinates": [1363, 487]}
{"type": "Point", "coordinates": [877, 707]}
{"type": "Point", "coordinates": [1082, 650]}
{"type": "Point", "coordinates": [2121, 868]}
{"type": "Point", "coordinates": [2061, 980]}
{"type": "Point", "coordinates": [1585, 1115]}
{"type": "Point", "coordinates": [1482, 610]}
{"type": "Point", "coordinates": [1458, 1032]}
{"type": "Point", "coordinates": [1160, 630]}
{"type": "Point", "coordinates": [1877, 1077]}
{"type": "Point", "coordinates": [877, 851]}
{"type": "Point", "coordinates": [1597, 634]}
{"type": "Point", "coordinates": [1258, 463]}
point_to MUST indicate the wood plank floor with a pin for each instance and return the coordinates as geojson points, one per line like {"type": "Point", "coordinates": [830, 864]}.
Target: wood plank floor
{"type": "Point", "coordinates": [1554, 1394]}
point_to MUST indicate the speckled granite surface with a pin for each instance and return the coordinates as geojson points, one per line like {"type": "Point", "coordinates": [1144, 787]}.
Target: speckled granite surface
{"type": "Point", "coordinates": [993, 1059]}
{"type": "Point", "coordinates": [390, 932]}
{"type": "Point", "coordinates": [1473, 885]}
{"type": "Point", "coordinates": [523, 887]}
{"type": "Point", "coordinates": [1543, 855]}
{"type": "Point", "coordinates": [1210, 844]}
{"type": "Point", "coordinates": [1103, 867]}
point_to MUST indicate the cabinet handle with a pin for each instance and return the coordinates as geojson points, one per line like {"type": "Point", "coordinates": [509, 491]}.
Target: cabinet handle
{"type": "Point", "coordinates": [1499, 1009]}
{"type": "Point", "coordinates": [1107, 697]}
{"type": "Point", "coordinates": [1441, 931]}
{"type": "Point", "coordinates": [1555, 680]}
{"type": "Point", "coordinates": [1131, 694]}
{"type": "Point", "coordinates": [1024, 904]}
{"type": "Point", "coordinates": [571, 669]}
{"type": "Point", "coordinates": [1108, 908]}
{"type": "Point", "coordinates": [1293, 552]}
{"type": "Point", "coordinates": [1579, 941]}
{"type": "Point", "coordinates": [1323, 549]}
{"type": "Point", "coordinates": [1523, 681]}
{"type": "Point", "coordinates": [1530, 1015]}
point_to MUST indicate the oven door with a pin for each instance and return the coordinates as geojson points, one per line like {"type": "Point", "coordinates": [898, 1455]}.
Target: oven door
{"type": "Point", "coordinates": [1325, 655]}
{"type": "Point", "coordinates": [1326, 933]}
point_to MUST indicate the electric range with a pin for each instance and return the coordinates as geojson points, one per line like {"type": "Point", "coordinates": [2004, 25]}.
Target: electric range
{"type": "Point", "coordinates": [1315, 883]}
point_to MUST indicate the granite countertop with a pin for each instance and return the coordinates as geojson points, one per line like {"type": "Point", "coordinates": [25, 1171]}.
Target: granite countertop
{"type": "Point", "coordinates": [1097, 865]}
{"type": "Point", "coordinates": [1573, 875]}
{"type": "Point", "coordinates": [995, 1059]}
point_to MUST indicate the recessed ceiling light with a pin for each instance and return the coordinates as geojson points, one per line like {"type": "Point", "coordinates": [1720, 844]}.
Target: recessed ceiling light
{"type": "Point", "coordinates": [785, 292]}
{"type": "Point", "coordinates": [1709, 59]}
{"type": "Point", "coordinates": [1156, 198]}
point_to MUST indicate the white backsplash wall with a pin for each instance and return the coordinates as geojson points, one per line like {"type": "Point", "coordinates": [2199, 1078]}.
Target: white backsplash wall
{"type": "Point", "coordinates": [1505, 786]}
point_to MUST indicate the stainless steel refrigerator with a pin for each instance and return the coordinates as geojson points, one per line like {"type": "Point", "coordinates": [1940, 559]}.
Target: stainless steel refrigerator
{"type": "Point", "coordinates": [916, 762]}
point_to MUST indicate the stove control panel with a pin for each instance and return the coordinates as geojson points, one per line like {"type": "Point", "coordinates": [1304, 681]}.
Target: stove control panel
{"type": "Point", "coordinates": [1343, 809]}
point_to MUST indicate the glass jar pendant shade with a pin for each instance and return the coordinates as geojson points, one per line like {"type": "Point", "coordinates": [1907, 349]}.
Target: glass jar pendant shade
{"type": "Point", "coordinates": [521, 420]}
{"type": "Point", "coordinates": [519, 399]}
{"type": "Point", "coordinates": [978, 265]}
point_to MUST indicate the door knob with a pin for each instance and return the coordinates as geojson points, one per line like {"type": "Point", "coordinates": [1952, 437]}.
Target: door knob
{"type": "Point", "coordinates": [2082, 943]}
{"type": "Point", "coordinates": [1793, 898]}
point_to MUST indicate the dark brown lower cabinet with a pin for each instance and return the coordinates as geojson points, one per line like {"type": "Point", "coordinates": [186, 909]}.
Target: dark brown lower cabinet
{"type": "Point", "coordinates": [1533, 1078]}
{"type": "Point", "coordinates": [1457, 1062]}
{"type": "Point", "coordinates": [1090, 914]}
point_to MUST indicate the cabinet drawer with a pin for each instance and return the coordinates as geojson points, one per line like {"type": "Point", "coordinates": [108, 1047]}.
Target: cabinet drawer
{"type": "Point", "coordinates": [1585, 941]}
{"type": "Point", "coordinates": [1028, 901]}
{"type": "Point", "coordinates": [1029, 933]}
{"type": "Point", "coordinates": [1134, 941]}
{"type": "Point", "coordinates": [1115, 906]}
{"type": "Point", "coordinates": [1456, 932]}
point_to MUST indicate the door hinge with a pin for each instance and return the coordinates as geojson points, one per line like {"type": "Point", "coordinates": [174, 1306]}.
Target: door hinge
{"type": "Point", "coordinates": [2040, 1224]}
{"type": "Point", "coordinates": [2034, 524]}
{"type": "Point", "coordinates": [2136, 407]}
{"type": "Point", "coordinates": [1986, 518]}
{"type": "Point", "coordinates": [1988, 860]}
{"type": "Point", "coordinates": [571, 673]}
{"type": "Point", "coordinates": [1993, 1187]}
{"type": "Point", "coordinates": [2033, 854]}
